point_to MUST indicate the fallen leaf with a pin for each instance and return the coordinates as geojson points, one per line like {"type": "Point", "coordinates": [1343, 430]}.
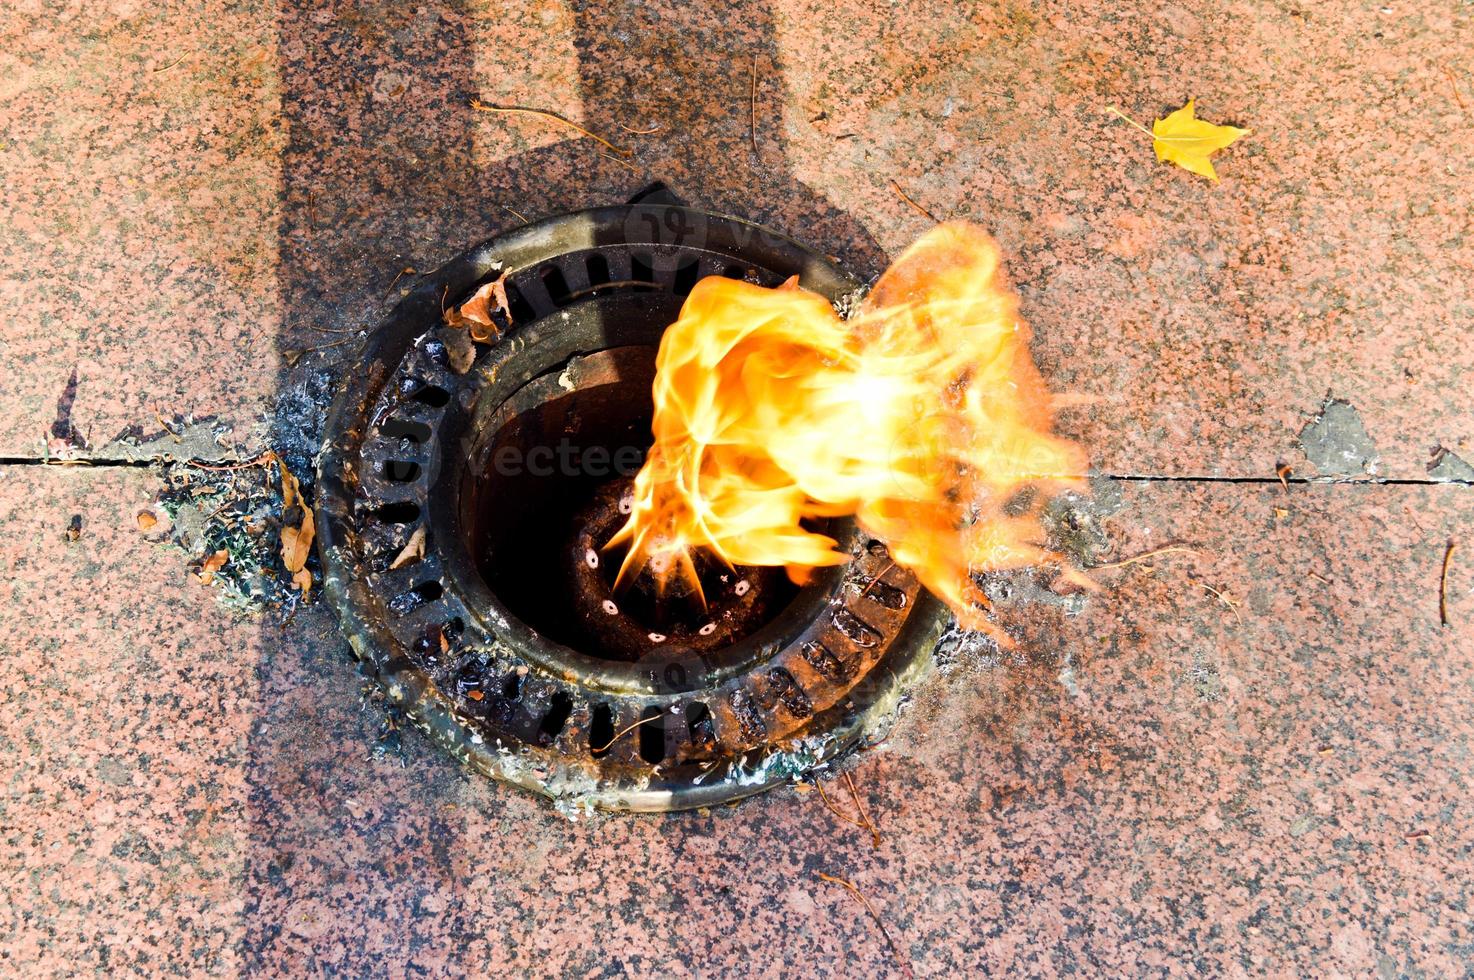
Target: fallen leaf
{"type": "Point", "coordinates": [479, 314]}
{"type": "Point", "coordinates": [211, 565]}
{"type": "Point", "coordinates": [296, 542]}
{"type": "Point", "coordinates": [1187, 141]}
{"type": "Point", "coordinates": [412, 552]}
{"type": "Point", "coordinates": [146, 520]}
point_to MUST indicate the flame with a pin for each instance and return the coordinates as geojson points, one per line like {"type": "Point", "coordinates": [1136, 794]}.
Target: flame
{"type": "Point", "coordinates": [922, 415]}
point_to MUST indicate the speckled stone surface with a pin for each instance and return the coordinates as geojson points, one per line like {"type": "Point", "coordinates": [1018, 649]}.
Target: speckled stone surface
{"type": "Point", "coordinates": [1154, 782]}
{"type": "Point", "coordinates": [193, 189]}
{"type": "Point", "coordinates": [1157, 781]}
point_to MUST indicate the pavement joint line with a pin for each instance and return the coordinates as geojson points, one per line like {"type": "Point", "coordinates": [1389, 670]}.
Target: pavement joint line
{"type": "Point", "coordinates": [1275, 481]}
{"type": "Point", "coordinates": [96, 463]}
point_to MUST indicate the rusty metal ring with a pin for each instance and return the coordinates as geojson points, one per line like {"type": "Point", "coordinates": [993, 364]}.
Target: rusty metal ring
{"type": "Point", "coordinates": [676, 730]}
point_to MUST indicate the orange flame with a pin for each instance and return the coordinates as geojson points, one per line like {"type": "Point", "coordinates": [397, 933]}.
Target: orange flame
{"type": "Point", "coordinates": [922, 415]}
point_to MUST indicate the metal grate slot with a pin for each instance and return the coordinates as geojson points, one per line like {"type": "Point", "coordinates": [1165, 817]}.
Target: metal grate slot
{"type": "Point", "coordinates": [601, 730]}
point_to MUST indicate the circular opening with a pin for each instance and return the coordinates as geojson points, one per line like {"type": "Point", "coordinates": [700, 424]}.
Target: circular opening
{"type": "Point", "coordinates": [550, 486]}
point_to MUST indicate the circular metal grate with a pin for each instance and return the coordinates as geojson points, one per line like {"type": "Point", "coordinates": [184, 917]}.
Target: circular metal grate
{"type": "Point", "coordinates": [541, 680]}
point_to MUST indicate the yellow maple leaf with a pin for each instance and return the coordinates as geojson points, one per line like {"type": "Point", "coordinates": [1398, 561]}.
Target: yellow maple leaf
{"type": "Point", "coordinates": [1187, 141]}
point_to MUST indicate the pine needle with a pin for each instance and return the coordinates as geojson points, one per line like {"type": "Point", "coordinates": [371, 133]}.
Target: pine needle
{"type": "Point", "coordinates": [866, 822]}
{"type": "Point", "coordinates": [903, 964]}
{"type": "Point", "coordinates": [1448, 554]}
{"type": "Point", "coordinates": [752, 105]}
{"type": "Point", "coordinates": [480, 106]}
{"type": "Point", "coordinates": [824, 797]}
{"type": "Point", "coordinates": [1164, 550]}
{"type": "Point", "coordinates": [606, 746]}
{"type": "Point", "coordinates": [919, 209]}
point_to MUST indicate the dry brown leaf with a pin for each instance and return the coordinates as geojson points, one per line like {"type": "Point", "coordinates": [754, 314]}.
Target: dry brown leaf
{"type": "Point", "coordinates": [412, 552]}
{"type": "Point", "coordinates": [146, 520]}
{"type": "Point", "coordinates": [296, 542]}
{"type": "Point", "coordinates": [478, 315]}
{"type": "Point", "coordinates": [211, 565]}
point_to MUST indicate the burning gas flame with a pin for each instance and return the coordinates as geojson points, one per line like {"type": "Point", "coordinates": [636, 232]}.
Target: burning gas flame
{"type": "Point", "coordinates": [922, 415]}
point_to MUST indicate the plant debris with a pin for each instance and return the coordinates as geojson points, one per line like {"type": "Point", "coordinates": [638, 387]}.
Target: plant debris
{"type": "Point", "coordinates": [296, 542]}
{"type": "Point", "coordinates": [406, 271]}
{"type": "Point", "coordinates": [480, 106]}
{"type": "Point", "coordinates": [907, 198]}
{"type": "Point", "coordinates": [824, 798]}
{"type": "Point", "coordinates": [626, 730]}
{"type": "Point", "coordinates": [211, 565]}
{"type": "Point", "coordinates": [146, 520]}
{"type": "Point", "coordinates": [486, 315]}
{"type": "Point", "coordinates": [752, 107]}
{"type": "Point", "coordinates": [1454, 84]}
{"type": "Point", "coordinates": [412, 552]}
{"type": "Point", "coordinates": [1224, 598]}
{"type": "Point", "coordinates": [904, 964]}
{"type": "Point", "coordinates": [863, 821]}
{"type": "Point", "coordinates": [1164, 550]}
{"type": "Point", "coordinates": [1187, 141]}
{"type": "Point", "coordinates": [1448, 554]}
{"type": "Point", "coordinates": [199, 526]}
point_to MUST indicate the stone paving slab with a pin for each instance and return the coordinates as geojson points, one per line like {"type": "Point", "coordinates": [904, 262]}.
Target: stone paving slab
{"type": "Point", "coordinates": [1156, 780]}
{"type": "Point", "coordinates": [195, 191]}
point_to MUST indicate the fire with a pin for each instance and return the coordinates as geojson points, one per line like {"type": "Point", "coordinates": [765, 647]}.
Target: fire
{"type": "Point", "coordinates": [922, 415]}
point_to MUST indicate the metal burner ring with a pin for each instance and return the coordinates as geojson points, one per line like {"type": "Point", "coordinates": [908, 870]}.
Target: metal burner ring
{"type": "Point", "coordinates": [406, 452]}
